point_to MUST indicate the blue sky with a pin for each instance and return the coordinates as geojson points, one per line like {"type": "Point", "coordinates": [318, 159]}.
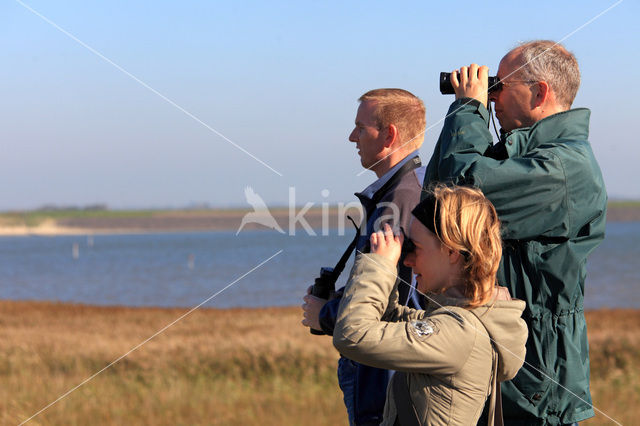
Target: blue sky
{"type": "Point", "coordinates": [279, 79]}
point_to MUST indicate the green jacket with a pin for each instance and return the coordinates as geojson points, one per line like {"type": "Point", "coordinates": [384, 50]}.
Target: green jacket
{"type": "Point", "coordinates": [445, 350]}
{"type": "Point", "coordinates": [551, 199]}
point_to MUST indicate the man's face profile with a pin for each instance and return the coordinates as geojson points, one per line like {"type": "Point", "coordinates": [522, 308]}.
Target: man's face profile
{"type": "Point", "coordinates": [514, 103]}
{"type": "Point", "coordinates": [368, 138]}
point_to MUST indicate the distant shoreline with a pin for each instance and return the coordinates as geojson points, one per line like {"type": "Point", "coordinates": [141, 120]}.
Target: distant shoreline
{"type": "Point", "coordinates": [57, 223]}
{"type": "Point", "coordinates": [9, 304]}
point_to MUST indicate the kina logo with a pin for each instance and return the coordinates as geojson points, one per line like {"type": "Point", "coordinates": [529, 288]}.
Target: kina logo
{"type": "Point", "coordinates": [260, 214]}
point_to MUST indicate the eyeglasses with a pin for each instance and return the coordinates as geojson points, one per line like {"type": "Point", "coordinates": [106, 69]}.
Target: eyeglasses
{"type": "Point", "coordinates": [502, 84]}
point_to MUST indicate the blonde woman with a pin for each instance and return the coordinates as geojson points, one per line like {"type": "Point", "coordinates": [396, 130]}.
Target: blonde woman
{"type": "Point", "coordinates": [450, 357]}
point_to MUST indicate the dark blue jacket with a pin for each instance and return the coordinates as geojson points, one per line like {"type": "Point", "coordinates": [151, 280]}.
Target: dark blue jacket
{"type": "Point", "coordinates": [371, 383]}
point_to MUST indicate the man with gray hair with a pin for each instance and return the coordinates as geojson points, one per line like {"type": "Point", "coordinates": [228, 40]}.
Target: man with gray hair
{"type": "Point", "coordinates": [548, 190]}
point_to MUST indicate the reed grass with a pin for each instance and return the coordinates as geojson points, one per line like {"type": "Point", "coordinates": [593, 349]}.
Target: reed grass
{"type": "Point", "coordinates": [221, 367]}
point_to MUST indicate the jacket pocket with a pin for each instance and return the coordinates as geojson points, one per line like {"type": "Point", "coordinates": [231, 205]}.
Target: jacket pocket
{"type": "Point", "coordinates": [534, 378]}
{"type": "Point", "coordinates": [532, 382]}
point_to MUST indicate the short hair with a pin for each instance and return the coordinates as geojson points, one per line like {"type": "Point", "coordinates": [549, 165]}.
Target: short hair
{"type": "Point", "coordinates": [469, 224]}
{"type": "Point", "coordinates": [402, 109]}
{"type": "Point", "coordinates": [546, 60]}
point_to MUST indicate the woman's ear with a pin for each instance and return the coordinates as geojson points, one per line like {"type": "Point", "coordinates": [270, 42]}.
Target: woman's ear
{"type": "Point", "coordinates": [454, 256]}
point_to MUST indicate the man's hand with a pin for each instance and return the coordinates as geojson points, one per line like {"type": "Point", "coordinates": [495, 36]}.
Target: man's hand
{"type": "Point", "coordinates": [471, 82]}
{"type": "Point", "coordinates": [311, 307]}
{"type": "Point", "coordinates": [387, 244]}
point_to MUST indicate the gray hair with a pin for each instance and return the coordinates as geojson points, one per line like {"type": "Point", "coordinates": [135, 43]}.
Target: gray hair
{"type": "Point", "coordinates": [545, 60]}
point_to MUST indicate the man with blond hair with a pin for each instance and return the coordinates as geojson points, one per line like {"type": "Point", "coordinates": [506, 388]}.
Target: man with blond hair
{"type": "Point", "coordinates": [389, 130]}
{"type": "Point", "coordinates": [549, 193]}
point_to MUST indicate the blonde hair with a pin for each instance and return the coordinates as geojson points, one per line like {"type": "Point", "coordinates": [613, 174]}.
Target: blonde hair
{"type": "Point", "coordinates": [402, 109]}
{"type": "Point", "coordinates": [469, 224]}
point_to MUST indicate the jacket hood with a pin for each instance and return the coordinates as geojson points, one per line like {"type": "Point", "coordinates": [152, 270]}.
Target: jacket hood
{"type": "Point", "coordinates": [508, 333]}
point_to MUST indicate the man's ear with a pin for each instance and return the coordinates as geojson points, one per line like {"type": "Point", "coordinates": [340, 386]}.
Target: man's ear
{"type": "Point", "coordinates": [541, 93]}
{"type": "Point", "coordinates": [392, 135]}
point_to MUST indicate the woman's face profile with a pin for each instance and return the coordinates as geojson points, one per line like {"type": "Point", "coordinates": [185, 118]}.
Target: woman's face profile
{"type": "Point", "coordinates": [430, 260]}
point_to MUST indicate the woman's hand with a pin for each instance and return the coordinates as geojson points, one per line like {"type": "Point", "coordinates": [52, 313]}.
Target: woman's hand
{"type": "Point", "coordinates": [386, 244]}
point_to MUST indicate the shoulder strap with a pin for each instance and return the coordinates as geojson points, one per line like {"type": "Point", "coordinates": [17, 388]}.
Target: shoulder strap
{"type": "Point", "coordinates": [406, 411]}
{"type": "Point", "coordinates": [494, 417]}
{"type": "Point", "coordinates": [337, 270]}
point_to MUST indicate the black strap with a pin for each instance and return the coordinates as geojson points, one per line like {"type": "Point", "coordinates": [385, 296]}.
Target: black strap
{"type": "Point", "coordinates": [337, 270]}
{"type": "Point", "coordinates": [410, 165]}
{"type": "Point", "coordinates": [406, 414]}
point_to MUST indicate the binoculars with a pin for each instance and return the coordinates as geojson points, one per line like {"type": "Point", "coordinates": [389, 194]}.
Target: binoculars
{"type": "Point", "coordinates": [447, 89]}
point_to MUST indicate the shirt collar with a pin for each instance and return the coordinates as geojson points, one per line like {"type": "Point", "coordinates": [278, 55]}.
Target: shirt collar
{"type": "Point", "coordinates": [371, 189]}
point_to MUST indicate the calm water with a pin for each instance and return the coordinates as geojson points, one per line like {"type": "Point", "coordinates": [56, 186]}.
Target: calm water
{"type": "Point", "coordinates": [185, 269]}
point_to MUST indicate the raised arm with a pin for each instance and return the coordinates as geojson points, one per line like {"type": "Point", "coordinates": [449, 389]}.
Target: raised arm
{"type": "Point", "coordinates": [421, 344]}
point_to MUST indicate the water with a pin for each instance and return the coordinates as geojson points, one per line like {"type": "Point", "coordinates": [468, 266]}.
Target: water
{"type": "Point", "coordinates": [185, 269]}
{"type": "Point", "coordinates": [613, 270]}
{"type": "Point", "coordinates": [181, 269]}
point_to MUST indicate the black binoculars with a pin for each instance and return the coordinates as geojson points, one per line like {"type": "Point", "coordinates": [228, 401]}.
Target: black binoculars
{"type": "Point", "coordinates": [447, 89]}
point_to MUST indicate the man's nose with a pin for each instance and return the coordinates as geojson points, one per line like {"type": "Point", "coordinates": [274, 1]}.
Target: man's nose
{"type": "Point", "coordinates": [353, 136]}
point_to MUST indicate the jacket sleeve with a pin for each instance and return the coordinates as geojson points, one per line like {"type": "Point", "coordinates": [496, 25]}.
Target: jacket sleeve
{"type": "Point", "coordinates": [396, 312]}
{"type": "Point", "coordinates": [395, 209]}
{"type": "Point", "coordinates": [528, 189]}
{"type": "Point", "coordinates": [436, 343]}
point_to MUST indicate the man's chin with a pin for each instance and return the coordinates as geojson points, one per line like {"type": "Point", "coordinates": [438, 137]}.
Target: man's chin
{"type": "Point", "coordinates": [505, 128]}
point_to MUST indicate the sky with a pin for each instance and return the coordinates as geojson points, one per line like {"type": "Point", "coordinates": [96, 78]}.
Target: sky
{"type": "Point", "coordinates": [171, 104]}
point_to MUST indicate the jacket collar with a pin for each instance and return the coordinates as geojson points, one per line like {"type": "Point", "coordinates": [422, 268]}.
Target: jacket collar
{"type": "Point", "coordinates": [439, 300]}
{"type": "Point", "coordinates": [572, 124]}
{"type": "Point", "coordinates": [368, 192]}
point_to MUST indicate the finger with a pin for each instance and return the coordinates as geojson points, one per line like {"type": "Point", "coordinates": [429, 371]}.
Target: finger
{"type": "Point", "coordinates": [400, 238]}
{"type": "Point", "coordinates": [483, 73]}
{"type": "Point", "coordinates": [455, 82]}
{"type": "Point", "coordinates": [473, 72]}
{"type": "Point", "coordinates": [374, 239]}
{"type": "Point", "coordinates": [309, 289]}
{"type": "Point", "coordinates": [305, 323]}
{"type": "Point", "coordinates": [464, 76]}
{"type": "Point", "coordinates": [388, 232]}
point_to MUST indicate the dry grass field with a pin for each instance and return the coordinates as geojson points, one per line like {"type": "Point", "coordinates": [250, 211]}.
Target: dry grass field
{"type": "Point", "coordinates": [222, 367]}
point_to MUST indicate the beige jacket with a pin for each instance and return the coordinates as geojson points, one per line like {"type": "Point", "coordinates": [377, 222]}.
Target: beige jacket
{"type": "Point", "coordinates": [445, 350]}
